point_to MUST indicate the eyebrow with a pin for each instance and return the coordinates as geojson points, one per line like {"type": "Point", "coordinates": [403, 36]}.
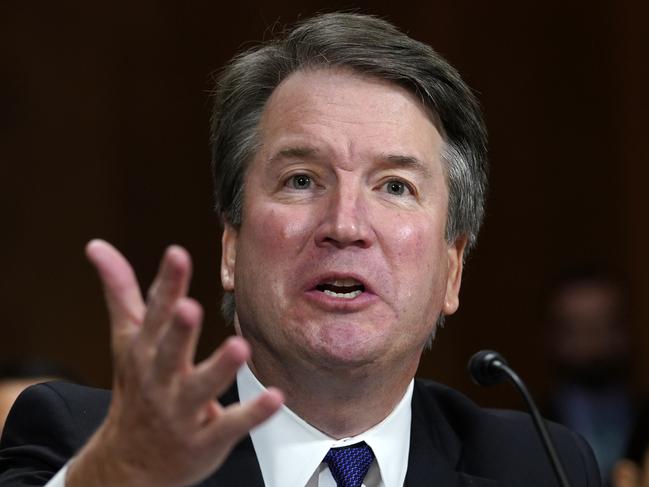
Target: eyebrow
{"type": "Point", "coordinates": [299, 152]}
{"type": "Point", "coordinates": [409, 162]}
{"type": "Point", "coordinates": [400, 160]}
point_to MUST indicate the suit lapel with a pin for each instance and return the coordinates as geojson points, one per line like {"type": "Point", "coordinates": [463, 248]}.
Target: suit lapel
{"type": "Point", "coordinates": [434, 459]}
{"type": "Point", "coordinates": [241, 468]}
{"type": "Point", "coordinates": [435, 450]}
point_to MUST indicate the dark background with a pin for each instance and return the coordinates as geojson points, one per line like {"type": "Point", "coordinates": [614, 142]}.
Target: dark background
{"type": "Point", "coordinates": [104, 112]}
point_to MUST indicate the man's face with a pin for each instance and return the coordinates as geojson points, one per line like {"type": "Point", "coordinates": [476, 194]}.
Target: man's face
{"type": "Point", "coordinates": [590, 340]}
{"type": "Point", "coordinates": [341, 259]}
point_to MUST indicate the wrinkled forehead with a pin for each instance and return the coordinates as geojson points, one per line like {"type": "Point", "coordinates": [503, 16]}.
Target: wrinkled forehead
{"type": "Point", "coordinates": [413, 91]}
{"type": "Point", "coordinates": [317, 97]}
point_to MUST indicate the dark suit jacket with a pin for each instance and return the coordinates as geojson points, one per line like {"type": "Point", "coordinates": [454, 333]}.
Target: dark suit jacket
{"type": "Point", "coordinates": [453, 442]}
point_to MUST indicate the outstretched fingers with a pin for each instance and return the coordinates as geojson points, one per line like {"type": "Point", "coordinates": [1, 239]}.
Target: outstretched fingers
{"type": "Point", "coordinates": [237, 420]}
{"type": "Point", "coordinates": [215, 374]}
{"type": "Point", "coordinates": [178, 345]}
{"type": "Point", "coordinates": [158, 390]}
{"type": "Point", "coordinates": [121, 290]}
{"type": "Point", "coordinates": [170, 284]}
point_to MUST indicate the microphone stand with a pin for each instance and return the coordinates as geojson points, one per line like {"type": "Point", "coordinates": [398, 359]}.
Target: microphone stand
{"type": "Point", "coordinates": [487, 367]}
{"type": "Point", "coordinates": [539, 423]}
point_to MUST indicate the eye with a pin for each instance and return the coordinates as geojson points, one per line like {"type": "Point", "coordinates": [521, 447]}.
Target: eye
{"type": "Point", "coordinates": [397, 187]}
{"type": "Point", "coordinates": [299, 181]}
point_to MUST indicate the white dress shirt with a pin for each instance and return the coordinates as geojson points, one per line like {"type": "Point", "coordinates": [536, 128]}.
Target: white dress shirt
{"type": "Point", "coordinates": [290, 451]}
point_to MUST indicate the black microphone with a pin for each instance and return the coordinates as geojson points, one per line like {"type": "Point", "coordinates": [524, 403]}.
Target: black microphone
{"type": "Point", "coordinates": [487, 368]}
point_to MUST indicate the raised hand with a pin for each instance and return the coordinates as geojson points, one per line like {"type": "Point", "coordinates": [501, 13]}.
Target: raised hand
{"type": "Point", "coordinates": [164, 426]}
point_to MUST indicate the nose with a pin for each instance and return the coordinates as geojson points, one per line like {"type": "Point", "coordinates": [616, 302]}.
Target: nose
{"type": "Point", "coordinates": [346, 220]}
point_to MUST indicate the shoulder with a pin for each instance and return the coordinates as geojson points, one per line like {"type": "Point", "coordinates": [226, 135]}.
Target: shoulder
{"type": "Point", "coordinates": [56, 402]}
{"type": "Point", "coordinates": [471, 422]}
{"type": "Point", "coordinates": [500, 443]}
{"type": "Point", "coordinates": [47, 424]}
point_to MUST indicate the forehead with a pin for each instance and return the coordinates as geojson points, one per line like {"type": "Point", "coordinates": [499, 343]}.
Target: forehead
{"type": "Point", "coordinates": [333, 108]}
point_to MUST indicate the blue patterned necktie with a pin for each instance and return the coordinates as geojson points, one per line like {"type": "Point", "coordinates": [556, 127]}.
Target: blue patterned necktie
{"type": "Point", "coordinates": [349, 464]}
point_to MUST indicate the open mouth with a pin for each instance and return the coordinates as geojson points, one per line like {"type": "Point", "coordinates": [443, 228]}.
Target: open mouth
{"type": "Point", "coordinates": [341, 288]}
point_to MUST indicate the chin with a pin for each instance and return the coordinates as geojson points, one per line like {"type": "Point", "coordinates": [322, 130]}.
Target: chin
{"type": "Point", "coordinates": [342, 359]}
{"type": "Point", "coordinates": [345, 346]}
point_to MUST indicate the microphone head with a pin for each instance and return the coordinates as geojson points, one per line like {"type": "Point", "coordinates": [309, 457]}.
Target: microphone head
{"type": "Point", "coordinates": [484, 368]}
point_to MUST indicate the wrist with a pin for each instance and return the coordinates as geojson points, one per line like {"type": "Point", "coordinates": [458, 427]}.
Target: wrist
{"type": "Point", "coordinates": [104, 462]}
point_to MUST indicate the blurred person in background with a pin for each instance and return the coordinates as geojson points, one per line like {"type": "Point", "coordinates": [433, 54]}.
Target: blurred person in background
{"type": "Point", "coordinates": [589, 348]}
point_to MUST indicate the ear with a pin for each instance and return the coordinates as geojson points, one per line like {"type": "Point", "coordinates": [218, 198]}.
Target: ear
{"type": "Point", "coordinates": [454, 277]}
{"type": "Point", "coordinates": [228, 256]}
{"type": "Point", "coordinates": [625, 474]}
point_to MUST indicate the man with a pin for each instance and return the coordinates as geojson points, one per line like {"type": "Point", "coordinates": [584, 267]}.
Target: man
{"type": "Point", "coordinates": [350, 171]}
{"type": "Point", "coordinates": [589, 348]}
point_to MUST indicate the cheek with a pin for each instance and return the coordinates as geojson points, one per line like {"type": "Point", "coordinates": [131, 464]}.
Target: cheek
{"type": "Point", "coordinates": [405, 233]}
{"type": "Point", "coordinates": [294, 226]}
{"type": "Point", "coordinates": [419, 258]}
{"type": "Point", "coordinates": [276, 231]}
{"type": "Point", "coordinates": [417, 244]}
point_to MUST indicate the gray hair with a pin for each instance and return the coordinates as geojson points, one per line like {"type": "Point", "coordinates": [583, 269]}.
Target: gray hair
{"type": "Point", "coordinates": [367, 45]}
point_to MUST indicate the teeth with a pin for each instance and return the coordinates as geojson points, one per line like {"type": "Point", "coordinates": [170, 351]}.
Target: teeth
{"type": "Point", "coordinates": [344, 282]}
{"type": "Point", "coordinates": [350, 295]}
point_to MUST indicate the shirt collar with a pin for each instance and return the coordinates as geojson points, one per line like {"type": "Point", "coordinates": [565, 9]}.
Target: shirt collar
{"type": "Point", "coordinates": [288, 440]}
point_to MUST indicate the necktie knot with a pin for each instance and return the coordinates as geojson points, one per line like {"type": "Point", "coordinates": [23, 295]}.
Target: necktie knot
{"type": "Point", "coordinates": [349, 464]}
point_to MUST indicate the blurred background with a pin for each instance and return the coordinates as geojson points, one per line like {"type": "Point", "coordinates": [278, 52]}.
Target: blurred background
{"type": "Point", "coordinates": [104, 111]}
